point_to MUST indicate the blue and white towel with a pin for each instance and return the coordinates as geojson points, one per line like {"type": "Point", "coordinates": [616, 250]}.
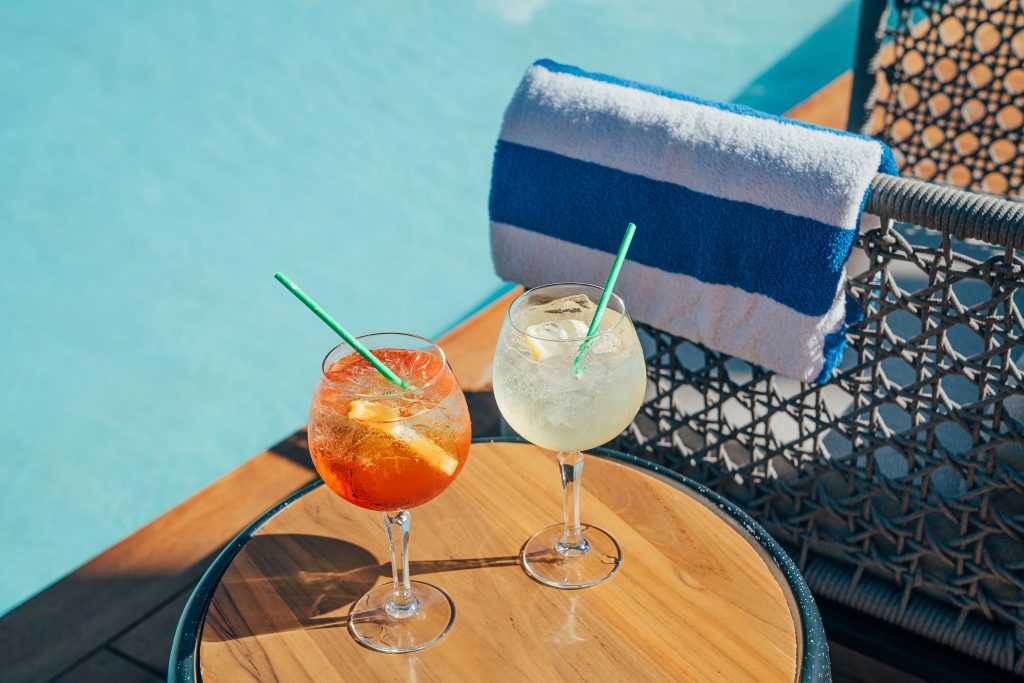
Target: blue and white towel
{"type": "Point", "coordinates": [744, 220]}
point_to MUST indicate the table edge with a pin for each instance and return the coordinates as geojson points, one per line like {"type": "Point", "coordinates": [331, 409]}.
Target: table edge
{"type": "Point", "coordinates": [815, 664]}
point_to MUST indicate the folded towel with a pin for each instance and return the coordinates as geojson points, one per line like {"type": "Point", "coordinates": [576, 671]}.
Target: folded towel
{"type": "Point", "coordinates": [744, 220]}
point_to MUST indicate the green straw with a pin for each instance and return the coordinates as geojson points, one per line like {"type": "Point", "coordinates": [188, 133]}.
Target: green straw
{"type": "Point", "coordinates": [603, 303]}
{"type": "Point", "coordinates": [342, 332]}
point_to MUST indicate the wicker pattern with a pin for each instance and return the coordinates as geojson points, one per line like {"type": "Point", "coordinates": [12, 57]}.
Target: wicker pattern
{"type": "Point", "coordinates": [948, 92]}
{"type": "Point", "coordinates": [907, 469]}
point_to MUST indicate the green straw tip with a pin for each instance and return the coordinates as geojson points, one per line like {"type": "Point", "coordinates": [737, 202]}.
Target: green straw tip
{"type": "Point", "coordinates": [609, 284]}
{"type": "Point", "coordinates": [388, 373]}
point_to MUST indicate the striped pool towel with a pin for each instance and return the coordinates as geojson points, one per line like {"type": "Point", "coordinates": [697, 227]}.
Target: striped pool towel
{"type": "Point", "coordinates": [744, 220]}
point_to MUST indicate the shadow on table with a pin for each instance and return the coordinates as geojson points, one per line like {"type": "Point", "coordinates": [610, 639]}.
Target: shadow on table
{"type": "Point", "coordinates": [302, 581]}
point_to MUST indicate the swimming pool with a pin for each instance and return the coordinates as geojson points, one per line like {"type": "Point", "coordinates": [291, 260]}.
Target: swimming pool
{"type": "Point", "coordinates": [158, 163]}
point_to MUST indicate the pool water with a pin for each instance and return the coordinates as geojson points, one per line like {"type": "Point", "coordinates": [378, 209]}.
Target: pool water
{"type": "Point", "coordinates": [159, 162]}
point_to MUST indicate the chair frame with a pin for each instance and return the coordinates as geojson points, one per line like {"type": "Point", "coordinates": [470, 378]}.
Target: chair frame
{"type": "Point", "coordinates": [897, 499]}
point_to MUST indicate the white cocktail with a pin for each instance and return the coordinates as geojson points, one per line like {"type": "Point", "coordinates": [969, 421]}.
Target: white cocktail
{"type": "Point", "coordinates": [568, 402]}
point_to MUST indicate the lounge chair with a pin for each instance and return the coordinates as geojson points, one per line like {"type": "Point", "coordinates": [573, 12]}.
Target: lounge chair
{"type": "Point", "coordinates": [899, 486]}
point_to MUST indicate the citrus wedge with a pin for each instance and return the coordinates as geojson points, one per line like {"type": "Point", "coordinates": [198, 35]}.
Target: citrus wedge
{"type": "Point", "coordinates": [548, 339]}
{"type": "Point", "coordinates": [362, 410]}
{"type": "Point", "coordinates": [386, 419]}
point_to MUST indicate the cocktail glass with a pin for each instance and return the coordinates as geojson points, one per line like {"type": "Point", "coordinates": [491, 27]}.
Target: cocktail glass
{"type": "Point", "coordinates": [387, 449]}
{"type": "Point", "coordinates": [569, 407]}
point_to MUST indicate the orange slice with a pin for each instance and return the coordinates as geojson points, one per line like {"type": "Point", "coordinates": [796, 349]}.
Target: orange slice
{"type": "Point", "coordinates": [386, 419]}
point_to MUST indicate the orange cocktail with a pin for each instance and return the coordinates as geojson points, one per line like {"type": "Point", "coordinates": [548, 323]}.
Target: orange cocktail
{"type": "Point", "coordinates": [387, 446]}
{"type": "Point", "coordinates": [382, 448]}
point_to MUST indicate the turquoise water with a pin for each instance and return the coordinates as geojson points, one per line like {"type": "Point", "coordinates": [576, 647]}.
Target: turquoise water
{"type": "Point", "coordinates": [159, 161]}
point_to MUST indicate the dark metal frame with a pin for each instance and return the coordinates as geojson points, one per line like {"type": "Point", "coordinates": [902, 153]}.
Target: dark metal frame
{"type": "Point", "coordinates": [814, 665]}
{"type": "Point", "coordinates": [847, 474]}
{"type": "Point", "coordinates": [954, 214]}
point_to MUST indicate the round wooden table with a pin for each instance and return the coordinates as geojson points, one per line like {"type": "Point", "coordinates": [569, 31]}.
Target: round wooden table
{"type": "Point", "coordinates": [703, 593]}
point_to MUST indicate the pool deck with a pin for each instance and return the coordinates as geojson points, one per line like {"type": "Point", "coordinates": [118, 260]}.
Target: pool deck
{"type": "Point", "coordinates": [115, 616]}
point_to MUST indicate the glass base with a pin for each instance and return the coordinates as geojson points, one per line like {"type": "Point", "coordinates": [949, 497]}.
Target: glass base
{"type": "Point", "coordinates": [543, 560]}
{"type": "Point", "coordinates": [373, 625]}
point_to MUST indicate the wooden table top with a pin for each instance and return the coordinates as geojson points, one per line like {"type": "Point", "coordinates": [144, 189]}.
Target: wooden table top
{"type": "Point", "coordinates": [696, 598]}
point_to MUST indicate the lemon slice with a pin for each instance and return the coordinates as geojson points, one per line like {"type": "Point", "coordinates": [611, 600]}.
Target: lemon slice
{"type": "Point", "coordinates": [362, 410]}
{"type": "Point", "coordinates": [386, 419]}
{"type": "Point", "coordinates": [548, 339]}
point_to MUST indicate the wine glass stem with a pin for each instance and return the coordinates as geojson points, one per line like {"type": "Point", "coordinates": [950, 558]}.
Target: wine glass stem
{"type": "Point", "coordinates": [402, 603]}
{"type": "Point", "coordinates": [572, 543]}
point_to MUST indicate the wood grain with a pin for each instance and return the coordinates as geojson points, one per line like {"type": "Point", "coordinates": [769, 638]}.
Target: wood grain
{"type": "Point", "coordinates": [694, 600]}
{"type": "Point", "coordinates": [121, 587]}
{"type": "Point", "coordinates": [149, 641]}
{"type": "Point", "coordinates": [104, 665]}
{"type": "Point", "coordinates": [128, 582]}
{"type": "Point", "coordinates": [99, 601]}
{"type": "Point", "coordinates": [829, 107]}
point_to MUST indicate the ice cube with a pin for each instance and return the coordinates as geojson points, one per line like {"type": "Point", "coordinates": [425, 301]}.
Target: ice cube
{"type": "Point", "coordinates": [548, 330]}
{"type": "Point", "coordinates": [550, 338]}
{"type": "Point", "coordinates": [559, 330]}
{"type": "Point", "coordinates": [575, 306]}
{"type": "Point", "coordinates": [606, 343]}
